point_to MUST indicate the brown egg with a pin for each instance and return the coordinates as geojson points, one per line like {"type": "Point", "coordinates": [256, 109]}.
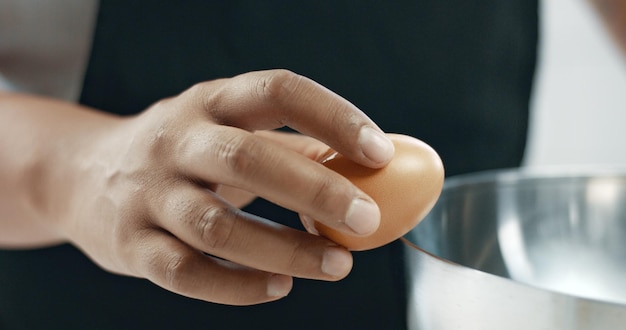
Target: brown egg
{"type": "Point", "coordinates": [405, 191]}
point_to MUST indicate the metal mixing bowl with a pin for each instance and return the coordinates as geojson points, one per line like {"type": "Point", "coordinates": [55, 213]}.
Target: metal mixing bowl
{"type": "Point", "coordinates": [521, 249]}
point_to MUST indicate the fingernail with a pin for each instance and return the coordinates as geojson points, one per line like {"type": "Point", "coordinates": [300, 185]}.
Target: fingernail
{"type": "Point", "coordinates": [363, 217]}
{"type": "Point", "coordinates": [337, 262]}
{"type": "Point", "coordinates": [279, 285]}
{"type": "Point", "coordinates": [309, 224]}
{"type": "Point", "coordinates": [375, 145]}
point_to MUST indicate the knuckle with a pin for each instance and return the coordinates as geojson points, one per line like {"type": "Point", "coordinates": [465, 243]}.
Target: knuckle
{"type": "Point", "coordinates": [159, 132]}
{"type": "Point", "coordinates": [216, 227]}
{"type": "Point", "coordinates": [202, 97]}
{"type": "Point", "coordinates": [279, 84]}
{"type": "Point", "coordinates": [295, 263]}
{"type": "Point", "coordinates": [167, 267]}
{"type": "Point", "coordinates": [322, 194]}
{"type": "Point", "coordinates": [159, 140]}
{"type": "Point", "coordinates": [196, 91]}
{"type": "Point", "coordinates": [175, 268]}
{"type": "Point", "coordinates": [239, 156]}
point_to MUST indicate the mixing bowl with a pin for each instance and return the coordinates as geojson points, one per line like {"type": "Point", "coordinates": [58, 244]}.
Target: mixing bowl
{"type": "Point", "coordinates": [521, 249]}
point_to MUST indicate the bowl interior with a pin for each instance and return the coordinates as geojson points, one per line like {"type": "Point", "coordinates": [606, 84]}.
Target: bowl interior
{"type": "Point", "coordinates": [565, 233]}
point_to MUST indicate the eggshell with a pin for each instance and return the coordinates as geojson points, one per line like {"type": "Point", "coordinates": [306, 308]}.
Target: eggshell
{"type": "Point", "coordinates": [405, 191]}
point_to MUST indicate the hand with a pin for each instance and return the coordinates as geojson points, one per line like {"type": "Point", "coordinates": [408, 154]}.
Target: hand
{"type": "Point", "coordinates": [150, 198]}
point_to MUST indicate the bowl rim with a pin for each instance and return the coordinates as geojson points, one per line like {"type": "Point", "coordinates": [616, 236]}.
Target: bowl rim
{"type": "Point", "coordinates": [515, 175]}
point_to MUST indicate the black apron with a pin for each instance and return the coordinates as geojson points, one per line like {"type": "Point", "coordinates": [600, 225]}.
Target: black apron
{"type": "Point", "coordinates": [456, 74]}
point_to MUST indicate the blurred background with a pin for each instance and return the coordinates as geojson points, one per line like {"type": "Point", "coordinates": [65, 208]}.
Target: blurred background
{"type": "Point", "coordinates": [579, 103]}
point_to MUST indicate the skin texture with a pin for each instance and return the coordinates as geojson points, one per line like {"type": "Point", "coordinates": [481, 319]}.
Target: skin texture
{"type": "Point", "coordinates": [157, 195]}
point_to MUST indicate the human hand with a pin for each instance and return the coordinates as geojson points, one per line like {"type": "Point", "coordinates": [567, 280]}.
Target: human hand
{"type": "Point", "coordinates": [151, 195]}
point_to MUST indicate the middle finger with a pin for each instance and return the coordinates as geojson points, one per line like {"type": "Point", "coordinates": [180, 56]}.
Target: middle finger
{"type": "Point", "coordinates": [238, 158]}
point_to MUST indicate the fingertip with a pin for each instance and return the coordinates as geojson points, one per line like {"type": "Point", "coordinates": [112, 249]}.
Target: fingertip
{"type": "Point", "coordinates": [309, 224]}
{"type": "Point", "coordinates": [279, 285]}
{"type": "Point", "coordinates": [337, 262]}
{"type": "Point", "coordinates": [376, 147]}
{"type": "Point", "coordinates": [363, 216]}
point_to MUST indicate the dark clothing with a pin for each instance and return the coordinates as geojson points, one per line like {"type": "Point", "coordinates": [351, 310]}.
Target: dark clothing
{"type": "Point", "coordinates": [455, 74]}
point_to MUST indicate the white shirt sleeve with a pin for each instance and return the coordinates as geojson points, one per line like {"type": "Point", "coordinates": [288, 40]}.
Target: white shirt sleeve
{"type": "Point", "coordinates": [45, 45]}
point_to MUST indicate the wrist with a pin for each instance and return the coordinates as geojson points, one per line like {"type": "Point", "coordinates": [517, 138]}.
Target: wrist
{"type": "Point", "coordinates": [44, 145]}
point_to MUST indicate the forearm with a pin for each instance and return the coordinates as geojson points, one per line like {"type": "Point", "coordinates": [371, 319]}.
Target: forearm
{"type": "Point", "coordinates": [613, 12]}
{"type": "Point", "coordinates": [43, 144]}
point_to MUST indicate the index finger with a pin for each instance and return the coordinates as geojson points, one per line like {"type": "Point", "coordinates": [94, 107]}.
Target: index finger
{"type": "Point", "coordinates": [277, 98]}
